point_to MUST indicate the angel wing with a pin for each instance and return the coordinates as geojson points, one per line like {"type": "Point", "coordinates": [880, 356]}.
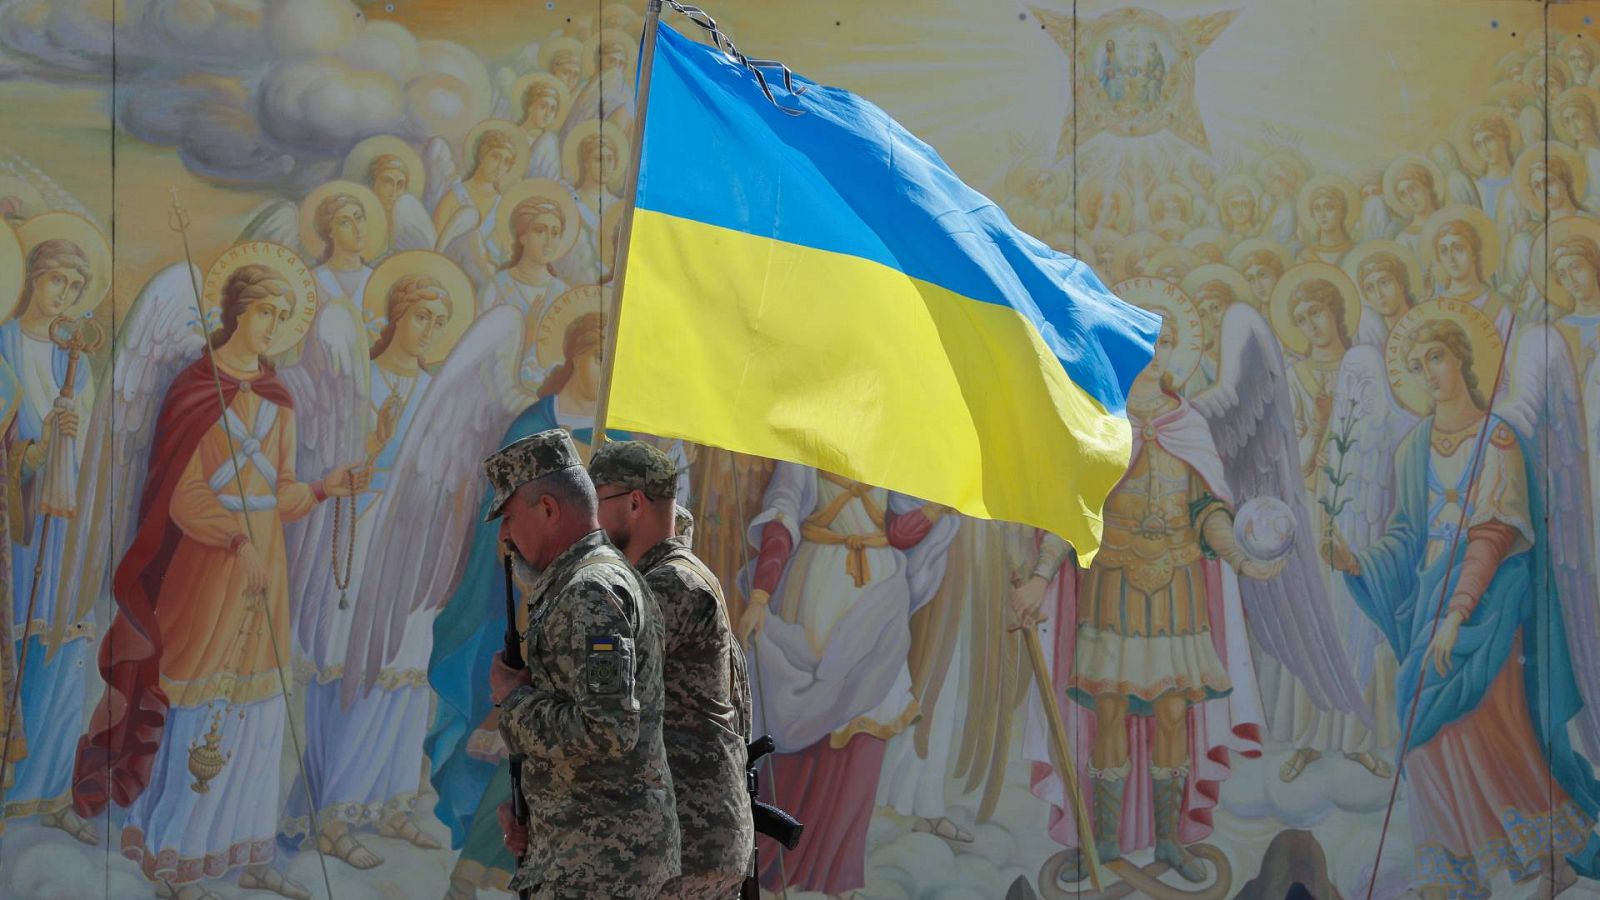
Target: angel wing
{"type": "Point", "coordinates": [463, 243]}
{"type": "Point", "coordinates": [55, 197]}
{"type": "Point", "coordinates": [277, 221]}
{"type": "Point", "coordinates": [1376, 219]}
{"type": "Point", "coordinates": [413, 227]}
{"type": "Point", "coordinates": [160, 335]}
{"type": "Point", "coordinates": [330, 387]}
{"type": "Point", "coordinates": [439, 164]}
{"type": "Point", "coordinates": [425, 519]}
{"type": "Point", "coordinates": [1248, 409]}
{"type": "Point", "coordinates": [1542, 403]}
{"type": "Point", "coordinates": [1372, 425]}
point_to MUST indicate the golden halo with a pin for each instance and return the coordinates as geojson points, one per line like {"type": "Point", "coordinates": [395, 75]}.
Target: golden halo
{"type": "Point", "coordinates": [1522, 175]}
{"type": "Point", "coordinates": [608, 131]}
{"type": "Point", "coordinates": [81, 232]}
{"type": "Point", "coordinates": [610, 222]}
{"type": "Point", "coordinates": [1093, 192]}
{"type": "Point", "coordinates": [1511, 96]}
{"type": "Point", "coordinates": [557, 47]}
{"type": "Point", "coordinates": [12, 264]}
{"type": "Point", "coordinates": [519, 96]}
{"type": "Point", "coordinates": [591, 50]}
{"type": "Point", "coordinates": [1170, 189]}
{"type": "Point", "coordinates": [1134, 252]}
{"type": "Point", "coordinates": [24, 198]}
{"type": "Point", "coordinates": [1554, 235]}
{"type": "Point", "coordinates": [1250, 247]}
{"type": "Point", "coordinates": [1178, 261]}
{"type": "Point", "coordinates": [1514, 59]}
{"type": "Point", "coordinates": [1479, 220]}
{"type": "Point", "coordinates": [1105, 269]}
{"type": "Point", "coordinates": [1532, 73]}
{"type": "Point", "coordinates": [1391, 179]}
{"type": "Point", "coordinates": [1468, 124]}
{"type": "Point", "coordinates": [1207, 275]}
{"type": "Point", "coordinates": [1232, 185]}
{"type": "Point", "coordinates": [1567, 96]}
{"type": "Point", "coordinates": [1574, 42]}
{"type": "Point", "coordinates": [288, 265]}
{"type": "Point", "coordinates": [375, 300]}
{"type": "Point", "coordinates": [1282, 316]}
{"type": "Point", "coordinates": [1352, 200]}
{"type": "Point", "coordinates": [1594, 77]}
{"type": "Point", "coordinates": [519, 145]}
{"type": "Point", "coordinates": [361, 156]}
{"type": "Point", "coordinates": [551, 332]}
{"type": "Point", "coordinates": [1414, 278]}
{"type": "Point", "coordinates": [1481, 335]}
{"type": "Point", "coordinates": [540, 187]}
{"type": "Point", "coordinates": [377, 221]}
{"type": "Point", "coordinates": [1177, 312]}
{"type": "Point", "coordinates": [620, 16]}
{"type": "Point", "coordinates": [1220, 240]}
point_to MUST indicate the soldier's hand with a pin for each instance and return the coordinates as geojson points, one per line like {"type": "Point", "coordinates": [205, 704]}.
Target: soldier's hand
{"type": "Point", "coordinates": [512, 832]}
{"type": "Point", "coordinates": [503, 679]}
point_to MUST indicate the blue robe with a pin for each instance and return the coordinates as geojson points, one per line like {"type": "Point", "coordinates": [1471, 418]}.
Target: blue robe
{"type": "Point", "coordinates": [1399, 590]}
{"type": "Point", "coordinates": [468, 632]}
{"type": "Point", "coordinates": [54, 688]}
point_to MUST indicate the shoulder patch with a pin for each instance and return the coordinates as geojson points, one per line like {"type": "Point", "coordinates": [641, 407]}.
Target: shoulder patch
{"type": "Point", "coordinates": [1502, 436]}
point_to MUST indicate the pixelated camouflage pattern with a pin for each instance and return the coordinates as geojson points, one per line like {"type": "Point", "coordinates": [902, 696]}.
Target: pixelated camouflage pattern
{"type": "Point", "coordinates": [708, 712]}
{"type": "Point", "coordinates": [596, 778]}
{"type": "Point", "coordinates": [523, 460]}
{"type": "Point", "coordinates": [636, 466]}
{"type": "Point", "coordinates": [720, 886]}
{"type": "Point", "coordinates": [683, 524]}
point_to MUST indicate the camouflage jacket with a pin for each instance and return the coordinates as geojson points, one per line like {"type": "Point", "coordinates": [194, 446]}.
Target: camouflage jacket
{"type": "Point", "coordinates": [599, 791]}
{"type": "Point", "coordinates": [708, 711]}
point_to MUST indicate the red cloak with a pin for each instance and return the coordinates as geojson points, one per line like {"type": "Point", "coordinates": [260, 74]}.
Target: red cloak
{"type": "Point", "coordinates": [116, 754]}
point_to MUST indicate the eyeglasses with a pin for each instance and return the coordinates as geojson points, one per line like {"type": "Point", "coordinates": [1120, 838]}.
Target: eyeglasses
{"type": "Point", "coordinates": [615, 496]}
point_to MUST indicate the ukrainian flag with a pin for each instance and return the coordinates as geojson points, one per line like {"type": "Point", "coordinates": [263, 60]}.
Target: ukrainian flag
{"type": "Point", "coordinates": [822, 288]}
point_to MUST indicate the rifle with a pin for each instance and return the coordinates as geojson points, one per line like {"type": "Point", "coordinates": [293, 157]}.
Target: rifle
{"type": "Point", "coordinates": [769, 820]}
{"type": "Point", "coordinates": [513, 659]}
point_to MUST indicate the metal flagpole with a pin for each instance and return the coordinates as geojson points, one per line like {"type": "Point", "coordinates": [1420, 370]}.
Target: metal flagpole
{"type": "Point", "coordinates": [647, 63]}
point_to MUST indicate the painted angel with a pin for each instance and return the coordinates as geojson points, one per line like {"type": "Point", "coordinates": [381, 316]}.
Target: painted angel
{"type": "Point", "coordinates": [1153, 749]}
{"type": "Point", "coordinates": [466, 201]}
{"type": "Point", "coordinates": [192, 659]}
{"type": "Point", "coordinates": [363, 762]}
{"type": "Point", "coordinates": [1465, 582]}
{"type": "Point", "coordinates": [1347, 426]}
{"type": "Point", "coordinates": [431, 594]}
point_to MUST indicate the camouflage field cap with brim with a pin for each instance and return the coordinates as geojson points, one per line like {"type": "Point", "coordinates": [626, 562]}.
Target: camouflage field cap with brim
{"type": "Point", "coordinates": [636, 466]}
{"type": "Point", "coordinates": [524, 460]}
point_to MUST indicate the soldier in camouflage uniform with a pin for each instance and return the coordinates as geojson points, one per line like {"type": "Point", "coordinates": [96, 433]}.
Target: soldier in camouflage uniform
{"type": "Point", "coordinates": [708, 691]}
{"type": "Point", "coordinates": [587, 712]}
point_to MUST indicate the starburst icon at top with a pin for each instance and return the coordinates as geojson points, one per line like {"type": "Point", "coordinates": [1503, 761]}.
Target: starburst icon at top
{"type": "Point", "coordinates": [1134, 72]}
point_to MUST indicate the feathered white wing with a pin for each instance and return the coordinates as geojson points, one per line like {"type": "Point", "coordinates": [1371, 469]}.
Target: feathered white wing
{"type": "Point", "coordinates": [439, 163]}
{"type": "Point", "coordinates": [160, 335]}
{"type": "Point", "coordinates": [1460, 189]}
{"type": "Point", "coordinates": [1377, 425]}
{"type": "Point", "coordinates": [332, 412]}
{"type": "Point", "coordinates": [1376, 219]}
{"type": "Point", "coordinates": [413, 227]}
{"type": "Point", "coordinates": [1543, 404]}
{"type": "Point", "coordinates": [1248, 410]}
{"type": "Point", "coordinates": [1366, 430]}
{"type": "Point", "coordinates": [426, 517]}
{"type": "Point", "coordinates": [277, 221]}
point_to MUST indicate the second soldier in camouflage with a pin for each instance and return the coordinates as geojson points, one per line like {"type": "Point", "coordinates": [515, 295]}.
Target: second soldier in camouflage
{"type": "Point", "coordinates": [707, 719]}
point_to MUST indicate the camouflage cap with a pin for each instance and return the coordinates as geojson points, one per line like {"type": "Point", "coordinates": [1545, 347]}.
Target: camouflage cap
{"type": "Point", "coordinates": [524, 460]}
{"type": "Point", "coordinates": [637, 466]}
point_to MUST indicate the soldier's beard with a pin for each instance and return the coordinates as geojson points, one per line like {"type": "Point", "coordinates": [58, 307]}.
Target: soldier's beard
{"type": "Point", "coordinates": [523, 572]}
